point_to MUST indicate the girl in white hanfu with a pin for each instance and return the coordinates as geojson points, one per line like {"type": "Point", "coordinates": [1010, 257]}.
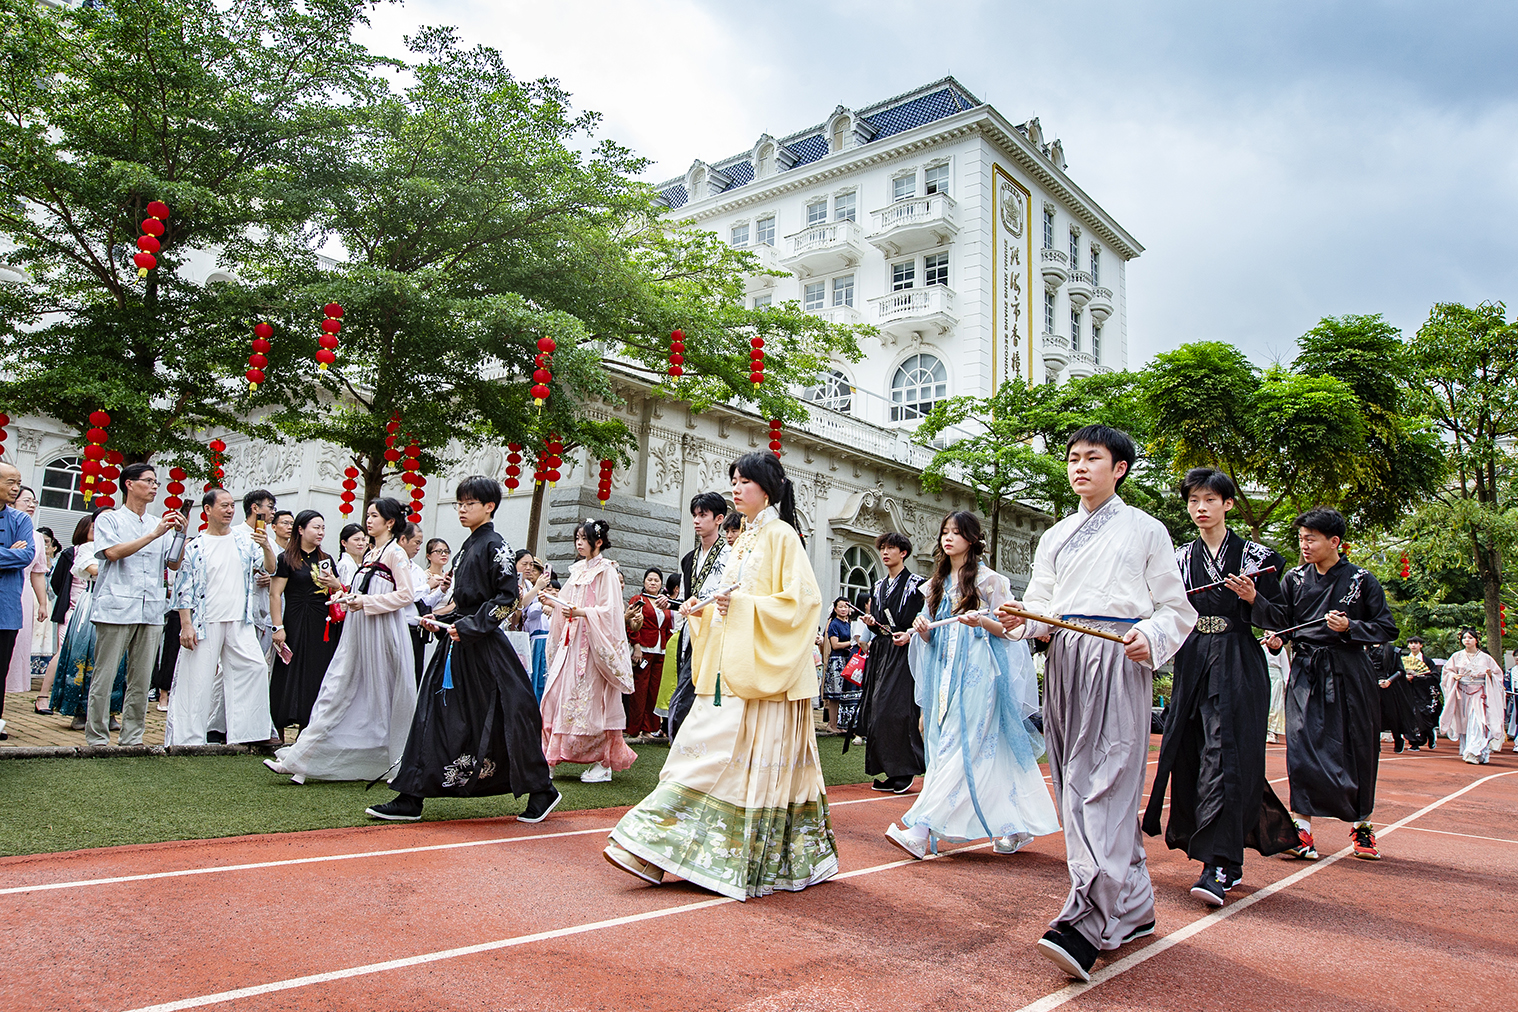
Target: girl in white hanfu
{"type": "Point", "coordinates": [363, 712]}
{"type": "Point", "coordinates": [589, 664]}
{"type": "Point", "coordinates": [976, 691]}
{"type": "Point", "coordinates": [1473, 700]}
{"type": "Point", "coordinates": [741, 808]}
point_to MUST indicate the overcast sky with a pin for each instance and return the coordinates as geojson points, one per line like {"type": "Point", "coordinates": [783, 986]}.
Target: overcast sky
{"type": "Point", "coordinates": [1279, 162]}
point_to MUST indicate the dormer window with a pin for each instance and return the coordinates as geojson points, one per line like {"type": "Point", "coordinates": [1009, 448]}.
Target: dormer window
{"type": "Point", "coordinates": [838, 134]}
{"type": "Point", "coordinates": [766, 163]}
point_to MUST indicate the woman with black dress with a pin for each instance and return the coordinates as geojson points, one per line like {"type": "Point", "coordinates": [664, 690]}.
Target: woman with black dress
{"type": "Point", "coordinates": [298, 608]}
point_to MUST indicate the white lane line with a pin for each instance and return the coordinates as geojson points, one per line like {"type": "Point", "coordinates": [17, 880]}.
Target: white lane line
{"type": "Point", "coordinates": [219, 997]}
{"type": "Point", "coordinates": [1178, 936]}
{"type": "Point", "coordinates": [1466, 836]}
{"type": "Point", "coordinates": [216, 869]}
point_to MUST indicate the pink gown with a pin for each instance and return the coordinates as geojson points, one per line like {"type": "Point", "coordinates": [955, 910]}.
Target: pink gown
{"type": "Point", "coordinates": [589, 669]}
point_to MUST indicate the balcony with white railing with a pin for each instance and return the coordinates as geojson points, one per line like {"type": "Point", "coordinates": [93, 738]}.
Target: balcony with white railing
{"type": "Point", "coordinates": [914, 311]}
{"type": "Point", "coordinates": [846, 316]}
{"type": "Point", "coordinates": [1079, 289]}
{"type": "Point", "coordinates": [769, 260]}
{"type": "Point", "coordinates": [1100, 304]}
{"type": "Point", "coordinates": [1056, 349]}
{"type": "Point", "coordinates": [1056, 268]}
{"type": "Point", "coordinates": [823, 248]}
{"type": "Point", "coordinates": [1082, 364]}
{"type": "Point", "coordinates": [915, 223]}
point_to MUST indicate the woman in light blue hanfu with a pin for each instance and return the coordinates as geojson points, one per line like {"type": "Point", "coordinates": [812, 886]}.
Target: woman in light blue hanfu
{"type": "Point", "coordinates": [977, 691]}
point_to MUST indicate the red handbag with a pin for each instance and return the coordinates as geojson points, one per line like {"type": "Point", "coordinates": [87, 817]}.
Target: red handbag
{"type": "Point", "coordinates": [853, 671]}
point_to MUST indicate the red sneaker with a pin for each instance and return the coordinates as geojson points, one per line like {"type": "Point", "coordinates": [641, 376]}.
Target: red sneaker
{"type": "Point", "coordinates": [1303, 850]}
{"type": "Point", "coordinates": [1364, 839]}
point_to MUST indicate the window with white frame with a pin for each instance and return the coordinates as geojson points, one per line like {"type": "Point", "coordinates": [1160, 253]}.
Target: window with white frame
{"type": "Point", "coordinates": [936, 179]}
{"type": "Point", "coordinates": [1096, 265]}
{"type": "Point", "coordinates": [1096, 341]}
{"type": "Point", "coordinates": [766, 164]}
{"type": "Point", "coordinates": [739, 235]}
{"type": "Point", "coordinates": [840, 132]}
{"type": "Point", "coordinates": [843, 290]}
{"type": "Point", "coordinates": [1048, 311]}
{"type": "Point", "coordinates": [763, 301]}
{"type": "Point", "coordinates": [843, 207]}
{"type": "Point", "coordinates": [903, 275]}
{"type": "Point", "coordinates": [1075, 330]}
{"type": "Point", "coordinates": [903, 187]}
{"type": "Point", "coordinates": [935, 269]}
{"type": "Point", "coordinates": [919, 383]}
{"type": "Point", "coordinates": [817, 212]}
{"type": "Point", "coordinates": [814, 296]}
{"type": "Point", "coordinates": [61, 488]}
{"type": "Point", "coordinates": [764, 231]}
{"type": "Point", "coordinates": [857, 572]}
{"type": "Point", "coordinates": [833, 391]}
{"type": "Point", "coordinates": [1048, 228]}
{"type": "Point", "coordinates": [1075, 250]}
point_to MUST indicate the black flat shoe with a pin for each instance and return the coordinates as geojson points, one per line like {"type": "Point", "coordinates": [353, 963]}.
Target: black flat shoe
{"type": "Point", "coordinates": [38, 708]}
{"type": "Point", "coordinates": [539, 805]}
{"type": "Point", "coordinates": [1068, 950]}
{"type": "Point", "coordinates": [402, 808]}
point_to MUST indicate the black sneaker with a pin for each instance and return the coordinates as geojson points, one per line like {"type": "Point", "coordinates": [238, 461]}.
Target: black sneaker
{"type": "Point", "coordinates": [1212, 886]}
{"type": "Point", "coordinates": [1397, 745]}
{"type": "Point", "coordinates": [893, 785]}
{"type": "Point", "coordinates": [1142, 931]}
{"type": "Point", "coordinates": [1235, 876]}
{"type": "Point", "coordinates": [1068, 950]}
{"type": "Point", "coordinates": [1413, 748]}
{"type": "Point", "coordinates": [540, 804]}
{"type": "Point", "coordinates": [401, 808]}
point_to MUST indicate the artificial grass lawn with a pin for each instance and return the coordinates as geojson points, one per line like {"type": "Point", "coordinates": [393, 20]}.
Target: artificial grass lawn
{"type": "Point", "coordinates": [72, 804]}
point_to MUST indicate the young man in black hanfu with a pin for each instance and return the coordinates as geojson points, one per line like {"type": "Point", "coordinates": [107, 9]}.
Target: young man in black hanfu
{"type": "Point", "coordinates": [1423, 682]}
{"type": "Point", "coordinates": [1399, 714]}
{"type": "Point", "coordinates": [888, 714]}
{"type": "Point", "coordinates": [1213, 751]}
{"type": "Point", "coordinates": [477, 729]}
{"type": "Point", "coordinates": [1333, 713]}
{"type": "Point", "coordinates": [700, 575]}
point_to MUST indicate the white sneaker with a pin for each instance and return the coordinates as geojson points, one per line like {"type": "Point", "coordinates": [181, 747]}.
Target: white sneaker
{"type": "Point", "coordinates": [276, 766]}
{"type": "Point", "coordinates": [597, 774]}
{"type": "Point", "coordinates": [908, 841]}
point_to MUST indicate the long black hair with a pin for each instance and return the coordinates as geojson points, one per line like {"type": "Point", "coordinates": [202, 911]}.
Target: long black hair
{"type": "Point", "coordinates": [765, 470]}
{"type": "Point", "coordinates": [968, 526]}
{"type": "Point", "coordinates": [295, 556]}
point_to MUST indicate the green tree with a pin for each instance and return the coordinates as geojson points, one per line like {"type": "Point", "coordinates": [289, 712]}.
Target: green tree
{"type": "Point", "coordinates": [1465, 370]}
{"type": "Point", "coordinates": [233, 115]}
{"type": "Point", "coordinates": [1285, 439]}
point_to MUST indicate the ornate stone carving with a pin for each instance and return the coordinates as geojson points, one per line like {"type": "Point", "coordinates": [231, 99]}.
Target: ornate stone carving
{"type": "Point", "coordinates": [482, 458]}
{"type": "Point", "coordinates": [666, 462]}
{"type": "Point", "coordinates": [331, 461]}
{"type": "Point", "coordinates": [257, 464]}
{"type": "Point", "coordinates": [28, 440]}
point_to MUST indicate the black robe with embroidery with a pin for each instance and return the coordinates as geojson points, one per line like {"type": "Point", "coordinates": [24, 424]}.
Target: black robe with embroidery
{"type": "Point", "coordinates": [888, 712]}
{"type": "Point", "coordinates": [1400, 713]}
{"type": "Point", "coordinates": [485, 734]}
{"type": "Point", "coordinates": [1333, 707]}
{"type": "Point", "coordinates": [1213, 751]}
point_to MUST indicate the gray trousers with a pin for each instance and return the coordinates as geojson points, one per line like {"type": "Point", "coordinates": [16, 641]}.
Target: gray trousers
{"type": "Point", "coordinates": [1097, 707]}
{"type": "Point", "coordinates": [140, 644]}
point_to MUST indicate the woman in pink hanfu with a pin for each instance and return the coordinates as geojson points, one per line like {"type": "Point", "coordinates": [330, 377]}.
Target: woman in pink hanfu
{"type": "Point", "coordinates": [589, 664]}
{"type": "Point", "coordinates": [1473, 699]}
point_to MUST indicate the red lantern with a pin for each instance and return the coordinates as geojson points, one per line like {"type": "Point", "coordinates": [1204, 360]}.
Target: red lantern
{"type": "Point", "coordinates": [775, 435]}
{"type": "Point", "coordinates": [148, 243]}
{"type": "Point", "coordinates": [546, 345]}
{"type": "Point", "coordinates": [96, 476]}
{"type": "Point", "coordinates": [218, 446]}
{"type": "Point", "coordinates": [1406, 566]}
{"type": "Point", "coordinates": [255, 377]}
{"type": "Point", "coordinates": [327, 353]}
{"type": "Point", "coordinates": [259, 360]}
{"type": "Point", "coordinates": [145, 262]}
{"type": "Point", "coordinates": [158, 209]}
{"type": "Point", "coordinates": [676, 353]}
{"type": "Point", "coordinates": [152, 227]}
{"type": "Point", "coordinates": [263, 331]}
{"type": "Point", "coordinates": [603, 492]}
{"type": "Point", "coordinates": [756, 360]}
{"type": "Point", "coordinates": [350, 472]}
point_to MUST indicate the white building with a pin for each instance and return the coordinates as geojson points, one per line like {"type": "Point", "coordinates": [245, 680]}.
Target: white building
{"type": "Point", "coordinates": [955, 232]}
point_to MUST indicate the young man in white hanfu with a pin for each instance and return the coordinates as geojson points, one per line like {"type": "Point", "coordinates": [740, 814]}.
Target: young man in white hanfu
{"type": "Point", "coordinates": [1111, 567]}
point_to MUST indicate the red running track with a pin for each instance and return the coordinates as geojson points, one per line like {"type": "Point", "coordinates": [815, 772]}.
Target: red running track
{"type": "Point", "coordinates": [492, 914]}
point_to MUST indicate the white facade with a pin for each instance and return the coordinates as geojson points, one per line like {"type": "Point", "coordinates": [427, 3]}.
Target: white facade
{"type": "Point", "coordinates": [923, 216]}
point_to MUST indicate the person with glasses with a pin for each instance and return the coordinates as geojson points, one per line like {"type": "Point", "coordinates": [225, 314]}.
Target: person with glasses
{"type": "Point", "coordinates": [129, 602]}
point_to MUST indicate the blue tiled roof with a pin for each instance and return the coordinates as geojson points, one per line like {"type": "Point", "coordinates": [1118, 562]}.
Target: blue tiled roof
{"type": "Point", "coordinates": [738, 174]}
{"type": "Point", "coordinates": [675, 195]}
{"type": "Point", "coordinates": [918, 111]}
{"type": "Point", "coordinates": [809, 149]}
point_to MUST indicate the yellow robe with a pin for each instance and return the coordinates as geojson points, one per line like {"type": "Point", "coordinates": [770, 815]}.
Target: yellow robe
{"type": "Point", "coordinates": [763, 647]}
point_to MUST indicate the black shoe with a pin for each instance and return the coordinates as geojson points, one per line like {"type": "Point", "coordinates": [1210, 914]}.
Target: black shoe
{"type": "Point", "coordinates": [539, 804]}
{"type": "Point", "coordinates": [1212, 886]}
{"type": "Point", "coordinates": [1068, 950]}
{"type": "Point", "coordinates": [216, 737]}
{"type": "Point", "coordinates": [893, 785]}
{"type": "Point", "coordinates": [1235, 876]}
{"type": "Point", "coordinates": [1412, 748]}
{"type": "Point", "coordinates": [1142, 931]}
{"type": "Point", "coordinates": [1397, 745]}
{"type": "Point", "coordinates": [402, 808]}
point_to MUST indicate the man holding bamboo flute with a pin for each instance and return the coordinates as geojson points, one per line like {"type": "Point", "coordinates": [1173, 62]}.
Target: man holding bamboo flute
{"type": "Point", "coordinates": [1109, 567]}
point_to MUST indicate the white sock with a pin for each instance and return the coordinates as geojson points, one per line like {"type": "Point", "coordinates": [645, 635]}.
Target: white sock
{"type": "Point", "coordinates": [919, 832]}
{"type": "Point", "coordinates": [1365, 824]}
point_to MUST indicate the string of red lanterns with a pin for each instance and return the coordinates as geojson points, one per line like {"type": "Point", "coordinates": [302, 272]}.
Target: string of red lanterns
{"type": "Point", "coordinates": [756, 360]}
{"type": "Point", "coordinates": [542, 373]}
{"type": "Point", "coordinates": [413, 479]}
{"type": "Point", "coordinates": [259, 359]}
{"type": "Point", "coordinates": [94, 456]}
{"type": "Point", "coordinates": [513, 466]}
{"type": "Point", "coordinates": [677, 353]}
{"type": "Point", "coordinates": [603, 493]}
{"type": "Point", "coordinates": [5, 420]}
{"type": "Point", "coordinates": [549, 460]}
{"type": "Point", "coordinates": [1406, 566]}
{"type": "Point", "coordinates": [775, 435]}
{"type": "Point", "coordinates": [110, 472]}
{"type": "Point", "coordinates": [150, 242]}
{"type": "Point", "coordinates": [175, 488]}
{"type": "Point", "coordinates": [218, 472]}
{"type": "Point", "coordinates": [392, 429]}
{"type": "Point", "coordinates": [327, 353]}
{"type": "Point", "coordinates": [350, 482]}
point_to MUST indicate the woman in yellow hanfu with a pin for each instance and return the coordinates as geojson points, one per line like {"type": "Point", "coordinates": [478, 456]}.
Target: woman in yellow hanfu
{"type": "Point", "coordinates": [741, 808]}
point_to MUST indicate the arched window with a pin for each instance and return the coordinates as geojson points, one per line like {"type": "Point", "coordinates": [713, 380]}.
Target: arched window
{"type": "Point", "coordinates": [857, 573]}
{"type": "Point", "coordinates": [766, 166]}
{"type": "Point", "coordinates": [920, 382]}
{"type": "Point", "coordinates": [840, 130]}
{"type": "Point", "coordinates": [833, 392]}
{"type": "Point", "coordinates": [61, 485]}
